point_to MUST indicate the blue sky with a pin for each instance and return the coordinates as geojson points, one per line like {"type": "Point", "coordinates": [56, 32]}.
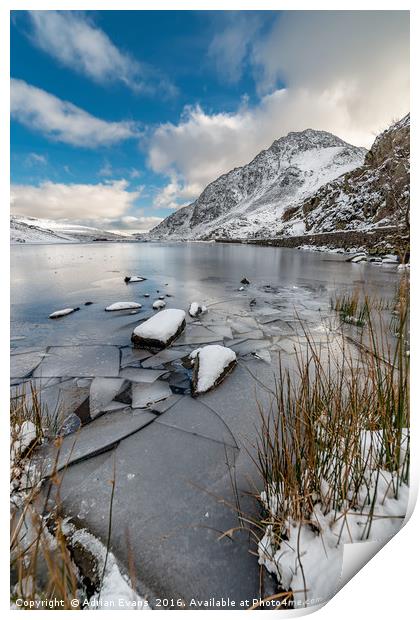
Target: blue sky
{"type": "Point", "coordinates": [119, 117]}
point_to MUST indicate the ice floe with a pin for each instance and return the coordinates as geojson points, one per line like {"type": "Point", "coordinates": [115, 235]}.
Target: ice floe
{"type": "Point", "coordinates": [102, 391]}
{"type": "Point", "coordinates": [160, 330]}
{"type": "Point", "coordinates": [141, 375]}
{"type": "Point", "coordinates": [211, 364]}
{"type": "Point", "coordinates": [145, 394]}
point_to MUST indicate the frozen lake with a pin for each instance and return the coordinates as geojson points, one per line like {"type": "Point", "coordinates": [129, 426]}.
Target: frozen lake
{"type": "Point", "coordinates": [173, 453]}
{"type": "Point", "coordinates": [50, 277]}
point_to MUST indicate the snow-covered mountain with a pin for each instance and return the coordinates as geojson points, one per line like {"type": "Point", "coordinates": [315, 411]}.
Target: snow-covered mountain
{"type": "Point", "coordinates": [34, 230]}
{"type": "Point", "coordinates": [372, 196]}
{"type": "Point", "coordinates": [251, 200]}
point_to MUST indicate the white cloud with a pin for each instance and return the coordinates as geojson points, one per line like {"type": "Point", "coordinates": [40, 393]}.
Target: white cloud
{"type": "Point", "coordinates": [85, 203]}
{"type": "Point", "coordinates": [230, 46]}
{"type": "Point", "coordinates": [345, 72]}
{"type": "Point", "coordinates": [77, 43]}
{"type": "Point", "coordinates": [175, 194]}
{"type": "Point", "coordinates": [142, 223]}
{"type": "Point", "coordinates": [61, 120]}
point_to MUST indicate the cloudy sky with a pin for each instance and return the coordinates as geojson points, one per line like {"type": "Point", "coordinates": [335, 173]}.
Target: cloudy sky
{"type": "Point", "coordinates": [120, 117]}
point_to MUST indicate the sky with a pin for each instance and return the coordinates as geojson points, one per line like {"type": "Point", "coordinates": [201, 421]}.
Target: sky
{"type": "Point", "coordinates": [120, 117]}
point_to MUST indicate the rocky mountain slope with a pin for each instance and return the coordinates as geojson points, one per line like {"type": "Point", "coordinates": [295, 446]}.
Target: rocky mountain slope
{"type": "Point", "coordinates": [372, 196]}
{"type": "Point", "coordinates": [34, 230]}
{"type": "Point", "coordinates": [249, 200]}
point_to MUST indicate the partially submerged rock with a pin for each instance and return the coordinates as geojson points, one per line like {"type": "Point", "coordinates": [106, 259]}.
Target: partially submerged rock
{"type": "Point", "coordinates": [160, 330]}
{"type": "Point", "coordinates": [59, 313]}
{"type": "Point", "coordinates": [129, 279]}
{"type": "Point", "coordinates": [123, 305]}
{"type": "Point", "coordinates": [211, 364]}
{"type": "Point", "coordinates": [196, 309]}
{"type": "Point", "coordinates": [245, 281]}
{"type": "Point", "coordinates": [158, 304]}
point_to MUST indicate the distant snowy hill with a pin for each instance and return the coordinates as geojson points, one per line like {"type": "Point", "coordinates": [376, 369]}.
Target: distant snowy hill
{"type": "Point", "coordinates": [34, 230]}
{"type": "Point", "coordinates": [249, 201]}
{"type": "Point", "coordinates": [372, 196]}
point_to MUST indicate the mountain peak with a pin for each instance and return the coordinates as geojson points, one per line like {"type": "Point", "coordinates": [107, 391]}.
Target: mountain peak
{"type": "Point", "coordinates": [239, 201]}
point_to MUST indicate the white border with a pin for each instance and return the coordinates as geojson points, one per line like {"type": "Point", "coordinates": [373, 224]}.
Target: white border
{"type": "Point", "coordinates": [387, 586]}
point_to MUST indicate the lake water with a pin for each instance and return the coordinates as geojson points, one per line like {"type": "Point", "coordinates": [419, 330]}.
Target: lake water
{"type": "Point", "coordinates": [50, 277]}
{"type": "Point", "coordinates": [172, 454]}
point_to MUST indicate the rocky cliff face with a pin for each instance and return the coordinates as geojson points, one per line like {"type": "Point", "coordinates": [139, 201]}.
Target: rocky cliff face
{"type": "Point", "coordinates": [374, 195]}
{"type": "Point", "coordinates": [251, 200]}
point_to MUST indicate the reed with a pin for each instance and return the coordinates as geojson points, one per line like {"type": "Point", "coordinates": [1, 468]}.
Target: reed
{"type": "Point", "coordinates": [338, 422]}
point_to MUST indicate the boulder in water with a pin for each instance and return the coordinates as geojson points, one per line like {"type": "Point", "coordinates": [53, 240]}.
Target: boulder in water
{"type": "Point", "coordinates": [196, 309]}
{"type": "Point", "coordinates": [160, 330]}
{"type": "Point", "coordinates": [59, 313]}
{"type": "Point", "coordinates": [123, 305]}
{"type": "Point", "coordinates": [211, 364]}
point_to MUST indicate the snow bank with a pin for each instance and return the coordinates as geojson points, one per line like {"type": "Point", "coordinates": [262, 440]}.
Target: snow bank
{"type": "Point", "coordinates": [211, 365]}
{"type": "Point", "coordinates": [115, 590]}
{"type": "Point", "coordinates": [158, 304]}
{"type": "Point", "coordinates": [123, 305]}
{"type": "Point", "coordinates": [311, 557]}
{"type": "Point", "coordinates": [25, 436]}
{"type": "Point", "coordinates": [307, 556]}
{"type": "Point", "coordinates": [196, 309]}
{"type": "Point", "coordinates": [58, 313]}
{"type": "Point", "coordinates": [160, 330]}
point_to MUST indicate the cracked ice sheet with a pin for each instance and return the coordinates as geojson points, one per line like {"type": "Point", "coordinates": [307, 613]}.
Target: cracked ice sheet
{"type": "Point", "coordinates": [250, 346]}
{"type": "Point", "coordinates": [141, 375]}
{"type": "Point", "coordinates": [22, 364]}
{"type": "Point", "coordinates": [102, 391]}
{"type": "Point", "coordinates": [145, 394]}
{"type": "Point", "coordinates": [131, 356]}
{"type": "Point", "coordinates": [80, 361]}
{"type": "Point", "coordinates": [243, 325]}
{"type": "Point", "coordinates": [221, 330]}
{"type": "Point", "coordinates": [163, 357]}
{"type": "Point", "coordinates": [94, 438]}
{"type": "Point", "coordinates": [192, 416]}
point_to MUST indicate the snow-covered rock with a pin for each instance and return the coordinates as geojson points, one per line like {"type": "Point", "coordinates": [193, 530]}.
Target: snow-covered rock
{"type": "Point", "coordinates": [196, 309]}
{"type": "Point", "coordinates": [211, 364]}
{"type": "Point", "coordinates": [160, 330]}
{"type": "Point", "coordinates": [64, 312]}
{"type": "Point", "coordinates": [158, 304]}
{"type": "Point", "coordinates": [130, 279]}
{"type": "Point", "coordinates": [252, 198]}
{"type": "Point", "coordinates": [123, 305]}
